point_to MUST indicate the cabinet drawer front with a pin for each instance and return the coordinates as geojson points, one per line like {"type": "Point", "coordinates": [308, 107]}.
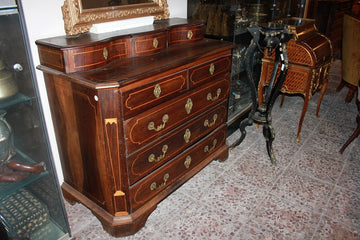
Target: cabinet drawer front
{"type": "Point", "coordinates": [171, 171]}
{"type": "Point", "coordinates": [185, 34]}
{"type": "Point", "coordinates": [157, 121]}
{"type": "Point", "coordinates": [207, 71]}
{"type": "Point", "coordinates": [86, 58]}
{"type": "Point", "coordinates": [150, 43]}
{"type": "Point", "coordinates": [138, 97]}
{"type": "Point", "coordinates": [144, 162]}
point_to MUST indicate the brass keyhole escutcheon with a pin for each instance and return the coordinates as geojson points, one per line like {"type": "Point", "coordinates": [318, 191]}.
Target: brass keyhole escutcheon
{"type": "Point", "coordinates": [212, 69]}
{"type": "Point", "coordinates": [190, 34]}
{"type": "Point", "coordinates": [187, 162]}
{"type": "Point", "coordinates": [157, 90]}
{"type": "Point", "coordinates": [188, 106]}
{"type": "Point", "coordinates": [105, 53]}
{"type": "Point", "coordinates": [187, 135]}
{"type": "Point", "coordinates": [155, 43]}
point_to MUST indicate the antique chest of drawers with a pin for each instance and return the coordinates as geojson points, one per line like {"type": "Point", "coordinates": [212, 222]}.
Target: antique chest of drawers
{"type": "Point", "coordinates": [136, 114]}
{"type": "Point", "coordinates": [310, 56]}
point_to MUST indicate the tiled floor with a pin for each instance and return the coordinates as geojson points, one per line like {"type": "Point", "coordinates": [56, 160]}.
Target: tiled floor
{"type": "Point", "coordinates": [312, 193]}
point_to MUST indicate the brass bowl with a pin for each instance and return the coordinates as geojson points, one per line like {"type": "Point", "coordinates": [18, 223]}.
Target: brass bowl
{"type": "Point", "coordinates": [8, 85]}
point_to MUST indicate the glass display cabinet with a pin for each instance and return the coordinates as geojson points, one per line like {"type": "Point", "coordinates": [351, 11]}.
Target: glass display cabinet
{"type": "Point", "coordinates": [31, 205]}
{"type": "Point", "coordinates": [228, 20]}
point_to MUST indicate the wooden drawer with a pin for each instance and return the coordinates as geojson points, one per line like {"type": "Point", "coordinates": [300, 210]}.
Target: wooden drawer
{"type": "Point", "coordinates": [143, 162]}
{"type": "Point", "coordinates": [171, 171]}
{"type": "Point", "coordinates": [209, 70]}
{"type": "Point", "coordinates": [150, 43]}
{"type": "Point", "coordinates": [182, 34]}
{"type": "Point", "coordinates": [86, 57]}
{"type": "Point", "coordinates": [142, 95]}
{"type": "Point", "coordinates": [157, 121]}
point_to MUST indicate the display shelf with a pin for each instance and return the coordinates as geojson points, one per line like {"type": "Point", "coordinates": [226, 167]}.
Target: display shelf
{"type": "Point", "coordinates": [25, 211]}
{"type": "Point", "coordinates": [27, 217]}
{"type": "Point", "coordinates": [239, 100]}
{"type": "Point", "coordinates": [7, 188]}
{"type": "Point", "coordinates": [50, 230]}
{"type": "Point", "coordinates": [14, 100]}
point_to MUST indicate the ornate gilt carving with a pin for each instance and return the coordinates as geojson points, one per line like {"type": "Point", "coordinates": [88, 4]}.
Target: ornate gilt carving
{"type": "Point", "coordinates": [78, 20]}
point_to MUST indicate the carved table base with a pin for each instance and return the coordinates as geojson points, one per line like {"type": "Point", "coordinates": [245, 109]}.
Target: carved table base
{"type": "Point", "coordinates": [272, 37]}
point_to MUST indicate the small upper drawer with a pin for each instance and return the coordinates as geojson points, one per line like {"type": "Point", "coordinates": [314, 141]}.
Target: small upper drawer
{"type": "Point", "coordinates": [169, 173]}
{"type": "Point", "coordinates": [182, 34]}
{"type": "Point", "coordinates": [145, 161]}
{"type": "Point", "coordinates": [150, 43]}
{"type": "Point", "coordinates": [142, 95]}
{"type": "Point", "coordinates": [209, 70]}
{"type": "Point", "coordinates": [84, 58]}
{"type": "Point", "coordinates": [157, 121]}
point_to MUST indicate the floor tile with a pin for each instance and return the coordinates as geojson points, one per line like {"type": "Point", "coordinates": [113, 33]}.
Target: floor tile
{"type": "Point", "coordinates": [199, 222]}
{"type": "Point", "coordinates": [330, 229]}
{"type": "Point", "coordinates": [350, 177]}
{"type": "Point", "coordinates": [344, 207]}
{"type": "Point", "coordinates": [279, 219]}
{"type": "Point", "coordinates": [302, 190]}
{"type": "Point", "coordinates": [318, 164]}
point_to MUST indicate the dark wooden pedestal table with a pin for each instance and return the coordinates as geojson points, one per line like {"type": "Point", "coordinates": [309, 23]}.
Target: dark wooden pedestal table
{"type": "Point", "coordinates": [273, 37]}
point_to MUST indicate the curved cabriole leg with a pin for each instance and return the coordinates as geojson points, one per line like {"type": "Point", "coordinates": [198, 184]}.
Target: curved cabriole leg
{"type": "Point", "coordinates": [353, 136]}
{"type": "Point", "coordinates": [268, 130]}
{"type": "Point", "coordinates": [306, 104]}
{"type": "Point", "coordinates": [244, 123]}
{"type": "Point", "coordinates": [282, 99]}
{"type": "Point", "coordinates": [269, 134]}
{"type": "Point", "coordinates": [250, 81]}
{"type": "Point", "coordinates": [323, 89]}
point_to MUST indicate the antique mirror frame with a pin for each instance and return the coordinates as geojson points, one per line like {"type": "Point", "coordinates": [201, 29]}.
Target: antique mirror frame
{"type": "Point", "coordinates": [78, 20]}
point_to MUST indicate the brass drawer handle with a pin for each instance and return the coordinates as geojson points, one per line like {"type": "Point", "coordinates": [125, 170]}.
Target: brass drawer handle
{"type": "Point", "coordinates": [212, 69]}
{"type": "Point", "coordinates": [209, 96]}
{"type": "Point", "coordinates": [187, 161]}
{"type": "Point", "coordinates": [152, 157]}
{"type": "Point", "coordinates": [190, 34]}
{"type": "Point", "coordinates": [154, 185]}
{"type": "Point", "coordinates": [188, 106]}
{"type": "Point", "coordinates": [157, 90]}
{"type": "Point", "coordinates": [105, 53]}
{"type": "Point", "coordinates": [155, 43]}
{"type": "Point", "coordinates": [210, 149]}
{"type": "Point", "coordinates": [207, 124]}
{"type": "Point", "coordinates": [187, 135]}
{"type": "Point", "coordinates": [151, 125]}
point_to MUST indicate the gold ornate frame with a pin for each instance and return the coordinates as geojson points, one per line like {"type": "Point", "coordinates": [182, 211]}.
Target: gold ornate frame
{"type": "Point", "coordinates": [78, 20]}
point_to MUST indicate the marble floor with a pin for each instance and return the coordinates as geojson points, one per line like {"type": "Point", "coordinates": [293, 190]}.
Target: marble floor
{"type": "Point", "coordinates": [312, 193]}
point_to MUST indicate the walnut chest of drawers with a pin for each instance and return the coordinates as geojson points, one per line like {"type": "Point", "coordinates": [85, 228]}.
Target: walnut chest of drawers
{"type": "Point", "coordinates": [136, 114]}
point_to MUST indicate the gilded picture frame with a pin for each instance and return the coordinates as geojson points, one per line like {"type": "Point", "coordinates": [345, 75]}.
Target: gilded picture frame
{"type": "Point", "coordinates": [78, 20]}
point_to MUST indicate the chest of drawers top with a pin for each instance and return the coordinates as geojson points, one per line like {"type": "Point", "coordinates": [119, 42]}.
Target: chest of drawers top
{"type": "Point", "coordinates": [117, 59]}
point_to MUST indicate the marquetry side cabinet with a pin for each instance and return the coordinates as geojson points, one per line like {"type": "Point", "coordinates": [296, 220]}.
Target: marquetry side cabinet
{"type": "Point", "coordinates": [136, 114]}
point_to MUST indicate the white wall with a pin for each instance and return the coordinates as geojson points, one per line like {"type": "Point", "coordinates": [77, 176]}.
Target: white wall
{"type": "Point", "coordinates": [44, 19]}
